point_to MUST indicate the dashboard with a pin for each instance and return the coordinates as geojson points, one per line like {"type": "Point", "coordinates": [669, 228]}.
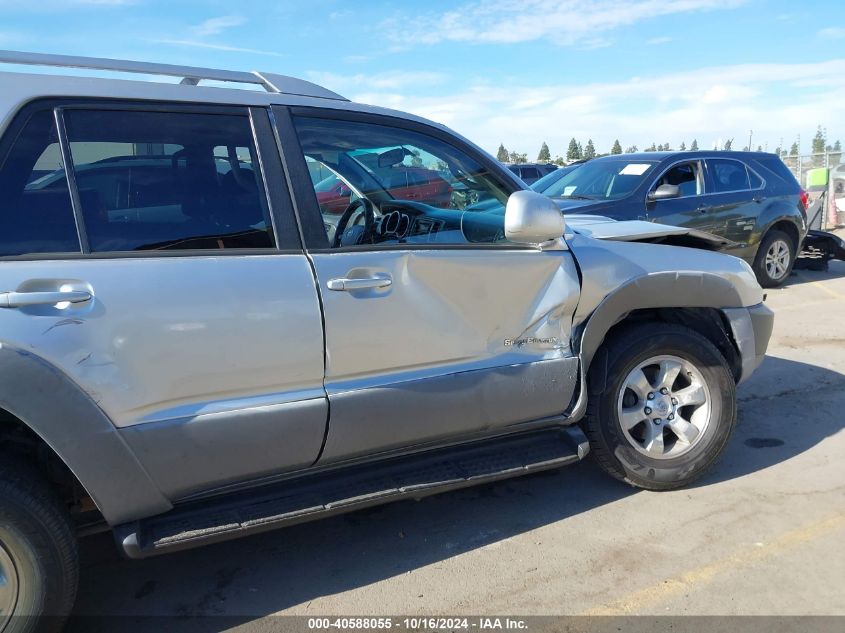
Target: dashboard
{"type": "Point", "coordinates": [409, 222]}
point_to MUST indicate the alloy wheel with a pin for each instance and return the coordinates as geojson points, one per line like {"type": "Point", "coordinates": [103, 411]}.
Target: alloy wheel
{"type": "Point", "coordinates": [777, 260]}
{"type": "Point", "coordinates": [8, 587]}
{"type": "Point", "coordinates": [664, 407]}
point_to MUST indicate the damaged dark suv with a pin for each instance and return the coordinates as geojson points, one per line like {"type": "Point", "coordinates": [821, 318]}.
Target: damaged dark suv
{"type": "Point", "coordinates": [750, 199]}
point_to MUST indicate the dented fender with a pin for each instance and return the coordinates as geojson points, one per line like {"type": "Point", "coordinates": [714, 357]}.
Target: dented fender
{"type": "Point", "coordinates": [620, 277]}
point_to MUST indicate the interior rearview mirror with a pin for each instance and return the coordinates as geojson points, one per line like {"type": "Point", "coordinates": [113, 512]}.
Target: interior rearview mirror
{"type": "Point", "coordinates": [664, 192]}
{"type": "Point", "coordinates": [532, 218]}
{"type": "Point", "coordinates": [392, 157]}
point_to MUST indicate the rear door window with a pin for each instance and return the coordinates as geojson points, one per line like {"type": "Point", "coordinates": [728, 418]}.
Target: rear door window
{"type": "Point", "coordinates": [36, 215]}
{"type": "Point", "coordinates": [728, 175]}
{"type": "Point", "coordinates": [167, 181]}
{"type": "Point", "coordinates": [530, 173]}
{"type": "Point", "coordinates": [776, 166]}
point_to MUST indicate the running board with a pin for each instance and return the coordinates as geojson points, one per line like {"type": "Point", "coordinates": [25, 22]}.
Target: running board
{"type": "Point", "coordinates": [345, 489]}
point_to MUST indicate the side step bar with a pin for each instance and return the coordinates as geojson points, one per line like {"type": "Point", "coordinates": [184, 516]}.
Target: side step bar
{"type": "Point", "coordinates": [345, 489]}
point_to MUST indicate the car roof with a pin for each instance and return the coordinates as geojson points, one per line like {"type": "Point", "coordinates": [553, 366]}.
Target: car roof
{"type": "Point", "coordinates": [21, 87]}
{"type": "Point", "coordinates": [661, 156]}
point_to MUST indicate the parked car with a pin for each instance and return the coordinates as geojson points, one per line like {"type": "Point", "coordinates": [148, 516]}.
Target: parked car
{"type": "Point", "coordinates": [531, 172]}
{"type": "Point", "coordinates": [173, 338]}
{"type": "Point", "coordinates": [540, 186]}
{"type": "Point", "coordinates": [408, 183]}
{"type": "Point", "coordinates": [749, 198]}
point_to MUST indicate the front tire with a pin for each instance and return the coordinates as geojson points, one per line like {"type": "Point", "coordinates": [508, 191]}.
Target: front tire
{"type": "Point", "coordinates": [662, 405]}
{"type": "Point", "coordinates": [775, 259]}
{"type": "Point", "coordinates": [39, 564]}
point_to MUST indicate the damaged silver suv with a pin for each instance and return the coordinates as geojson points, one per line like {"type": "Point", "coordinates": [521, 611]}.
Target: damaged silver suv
{"type": "Point", "coordinates": [224, 311]}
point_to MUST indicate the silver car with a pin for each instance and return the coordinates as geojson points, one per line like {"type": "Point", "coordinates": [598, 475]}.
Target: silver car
{"type": "Point", "coordinates": [196, 345]}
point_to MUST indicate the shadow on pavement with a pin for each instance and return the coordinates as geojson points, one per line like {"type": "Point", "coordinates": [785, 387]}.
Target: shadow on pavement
{"type": "Point", "coordinates": [334, 555]}
{"type": "Point", "coordinates": [836, 270]}
{"type": "Point", "coordinates": [779, 417]}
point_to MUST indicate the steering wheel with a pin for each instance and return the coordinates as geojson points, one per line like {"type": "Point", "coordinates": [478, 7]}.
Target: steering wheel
{"type": "Point", "coordinates": [355, 234]}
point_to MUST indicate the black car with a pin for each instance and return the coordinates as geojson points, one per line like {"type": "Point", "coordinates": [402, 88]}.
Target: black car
{"type": "Point", "coordinates": [531, 172]}
{"type": "Point", "coordinates": [750, 199]}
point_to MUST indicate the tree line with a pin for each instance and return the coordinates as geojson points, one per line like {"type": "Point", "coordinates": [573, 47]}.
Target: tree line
{"type": "Point", "coordinates": [576, 151]}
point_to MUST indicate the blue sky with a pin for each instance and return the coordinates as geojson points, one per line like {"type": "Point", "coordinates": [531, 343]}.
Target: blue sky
{"type": "Point", "coordinates": [517, 72]}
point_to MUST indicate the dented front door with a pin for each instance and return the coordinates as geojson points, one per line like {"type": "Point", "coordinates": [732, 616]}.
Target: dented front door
{"type": "Point", "coordinates": [436, 326]}
{"type": "Point", "coordinates": [459, 342]}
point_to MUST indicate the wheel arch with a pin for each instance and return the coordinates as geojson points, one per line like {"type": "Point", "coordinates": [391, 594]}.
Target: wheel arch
{"type": "Point", "coordinates": [655, 292]}
{"type": "Point", "coordinates": [53, 413]}
{"type": "Point", "coordinates": [696, 300]}
{"type": "Point", "coordinates": [782, 217]}
{"type": "Point", "coordinates": [788, 227]}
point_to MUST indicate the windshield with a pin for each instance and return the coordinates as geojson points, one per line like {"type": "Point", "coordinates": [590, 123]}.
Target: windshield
{"type": "Point", "coordinates": [327, 184]}
{"type": "Point", "coordinates": [601, 180]}
{"type": "Point", "coordinates": [549, 179]}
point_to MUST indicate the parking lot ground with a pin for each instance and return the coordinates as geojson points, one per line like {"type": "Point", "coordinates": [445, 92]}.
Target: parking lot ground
{"type": "Point", "coordinates": [761, 534]}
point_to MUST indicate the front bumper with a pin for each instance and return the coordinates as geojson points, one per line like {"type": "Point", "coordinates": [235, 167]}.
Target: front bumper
{"type": "Point", "coordinates": [751, 328]}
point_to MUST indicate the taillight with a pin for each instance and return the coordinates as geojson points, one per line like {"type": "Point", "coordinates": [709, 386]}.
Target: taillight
{"type": "Point", "coordinates": [805, 199]}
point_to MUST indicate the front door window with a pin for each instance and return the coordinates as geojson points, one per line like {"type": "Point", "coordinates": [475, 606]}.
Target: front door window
{"type": "Point", "coordinates": [383, 186]}
{"type": "Point", "coordinates": [686, 176]}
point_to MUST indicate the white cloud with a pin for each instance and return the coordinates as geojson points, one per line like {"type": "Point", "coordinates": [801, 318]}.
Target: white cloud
{"type": "Point", "coordinates": [377, 82]}
{"type": "Point", "coordinates": [218, 47]}
{"type": "Point", "coordinates": [566, 22]}
{"type": "Point", "coordinates": [727, 93]}
{"type": "Point", "coordinates": [832, 33]}
{"type": "Point", "coordinates": [775, 100]}
{"type": "Point", "coordinates": [654, 41]}
{"type": "Point", "coordinates": [214, 26]}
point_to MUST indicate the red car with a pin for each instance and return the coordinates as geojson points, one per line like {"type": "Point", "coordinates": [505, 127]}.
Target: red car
{"type": "Point", "coordinates": [405, 183]}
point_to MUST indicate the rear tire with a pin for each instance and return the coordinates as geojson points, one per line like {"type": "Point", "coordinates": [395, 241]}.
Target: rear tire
{"type": "Point", "coordinates": [39, 563]}
{"type": "Point", "coordinates": [775, 259]}
{"type": "Point", "coordinates": [649, 438]}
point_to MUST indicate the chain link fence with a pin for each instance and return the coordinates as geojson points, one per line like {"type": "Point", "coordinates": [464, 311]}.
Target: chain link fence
{"type": "Point", "coordinates": [827, 206]}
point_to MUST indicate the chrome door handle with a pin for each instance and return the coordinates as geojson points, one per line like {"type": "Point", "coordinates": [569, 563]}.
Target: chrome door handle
{"type": "Point", "coordinates": [344, 284]}
{"type": "Point", "coordinates": [23, 299]}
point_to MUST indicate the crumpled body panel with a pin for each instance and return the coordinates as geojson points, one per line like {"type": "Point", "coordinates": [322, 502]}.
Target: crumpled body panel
{"type": "Point", "coordinates": [458, 332]}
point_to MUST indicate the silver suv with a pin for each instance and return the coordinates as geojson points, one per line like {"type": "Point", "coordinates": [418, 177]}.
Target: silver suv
{"type": "Point", "coordinates": [224, 311]}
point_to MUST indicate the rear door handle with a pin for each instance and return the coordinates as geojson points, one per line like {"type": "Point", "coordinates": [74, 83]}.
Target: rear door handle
{"type": "Point", "coordinates": [703, 209]}
{"type": "Point", "coordinates": [344, 284]}
{"type": "Point", "coordinates": [23, 299]}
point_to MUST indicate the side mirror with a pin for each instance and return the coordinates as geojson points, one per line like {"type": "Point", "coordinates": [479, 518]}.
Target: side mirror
{"type": "Point", "coordinates": [665, 192]}
{"type": "Point", "coordinates": [532, 218]}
